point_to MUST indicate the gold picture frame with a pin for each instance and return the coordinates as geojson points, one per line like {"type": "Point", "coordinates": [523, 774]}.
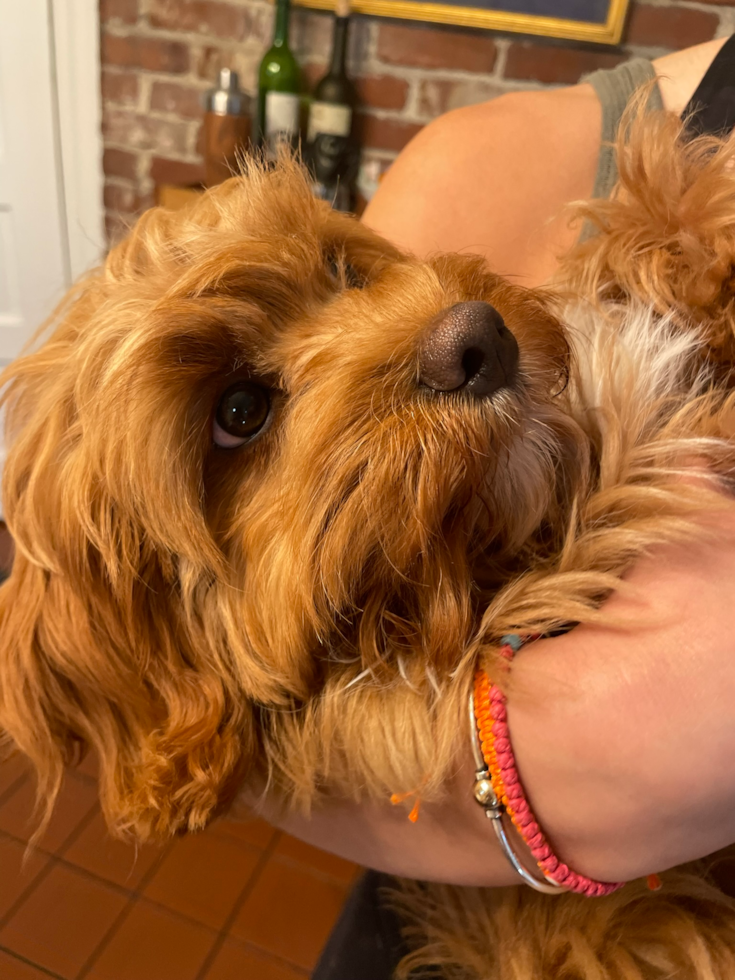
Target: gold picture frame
{"type": "Point", "coordinates": [609, 32]}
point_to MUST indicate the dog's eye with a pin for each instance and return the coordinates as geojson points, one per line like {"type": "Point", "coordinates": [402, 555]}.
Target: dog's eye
{"type": "Point", "coordinates": [242, 412]}
{"type": "Point", "coordinates": [353, 278]}
{"type": "Point", "coordinates": [334, 268]}
{"type": "Point", "coordinates": [344, 273]}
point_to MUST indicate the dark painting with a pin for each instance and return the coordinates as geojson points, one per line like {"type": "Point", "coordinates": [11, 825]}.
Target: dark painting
{"type": "Point", "coordinates": [590, 11]}
{"type": "Point", "coordinates": [599, 21]}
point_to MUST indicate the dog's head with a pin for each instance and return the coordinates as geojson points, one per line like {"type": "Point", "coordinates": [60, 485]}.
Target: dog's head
{"type": "Point", "coordinates": [260, 446]}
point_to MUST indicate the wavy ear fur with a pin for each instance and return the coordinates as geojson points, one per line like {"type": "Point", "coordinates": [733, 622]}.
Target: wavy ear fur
{"type": "Point", "coordinates": [667, 233]}
{"type": "Point", "coordinates": [104, 642]}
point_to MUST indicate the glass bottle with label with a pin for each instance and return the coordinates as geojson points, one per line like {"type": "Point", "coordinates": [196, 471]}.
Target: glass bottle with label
{"type": "Point", "coordinates": [331, 151]}
{"type": "Point", "coordinates": [279, 90]}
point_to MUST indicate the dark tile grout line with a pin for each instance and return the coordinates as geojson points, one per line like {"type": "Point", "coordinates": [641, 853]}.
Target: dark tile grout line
{"type": "Point", "coordinates": [293, 862]}
{"type": "Point", "coordinates": [70, 837]}
{"type": "Point", "coordinates": [213, 829]}
{"type": "Point", "coordinates": [238, 942]}
{"type": "Point", "coordinates": [17, 783]}
{"type": "Point", "coordinates": [11, 790]}
{"type": "Point", "coordinates": [234, 839]}
{"type": "Point", "coordinates": [84, 777]}
{"type": "Point", "coordinates": [54, 859]}
{"type": "Point", "coordinates": [135, 896]}
{"type": "Point", "coordinates": [238, 904]}
{"type": "Point", "coordinates": [37, 966]}
{"type": "Point", "coordinates": [282, 960]}
{"type": "Point", "coordinates": [268, 954]}
{"type": "Point", "coordinates": [135, 893]}
{"type": "Point", "coordinates": [133, 900]}
{"type": "Point", "coordinates": [30, 887]}
{"type": "Point", "coordinates": [128, 893]}
{"type": "Point", "coordinates": [284, 859]}
{"type": "Point", "coordinates": [93, 781]}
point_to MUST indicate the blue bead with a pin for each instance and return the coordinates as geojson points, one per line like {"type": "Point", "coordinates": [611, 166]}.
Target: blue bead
{"type": "Point", "coordinates": [513, 640]}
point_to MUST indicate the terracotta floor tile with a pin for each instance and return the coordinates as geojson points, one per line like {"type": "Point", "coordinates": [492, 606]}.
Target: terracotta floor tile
{"type": "Point", "coordinates": [152, 944]}
{"type": "Point", "coordinates": [314, 857]}
{"type": "Point", "coordinates": [76, 800]}
{"type": "Point", "coordinates": [62, 921]}
{"type": "Point", "coordinates": [12, 769]}
{"type": "Point", "coordinates": [251, 830]}
{"type": "Point", "coordinates": [202, 876]}
{"type": "Point", "coordinates": [116, 861]}
{"type": "Point", "coordinates": [15, 874]}
{"type": "Point", "coordinates": [13, 969]}
{"type": "Point", "coordinates": [290, 912]}
{"type": "Point", "coordinates": [236, 962]}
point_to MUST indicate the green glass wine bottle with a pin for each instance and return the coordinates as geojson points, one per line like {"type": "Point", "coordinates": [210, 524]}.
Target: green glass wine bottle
{"type": "Point", "coordinates": [331, 151]}
{"type": "Point", "coordinates": [279, 90]}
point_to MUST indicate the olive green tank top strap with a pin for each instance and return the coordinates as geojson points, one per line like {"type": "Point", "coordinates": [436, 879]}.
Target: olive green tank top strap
{"type": "Point", "coordinates": [615, 89]}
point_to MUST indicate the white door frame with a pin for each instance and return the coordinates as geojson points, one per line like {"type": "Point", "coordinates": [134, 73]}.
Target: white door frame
{"type": "Point", "coordinates": [76, 113]}
{"type": "Point", "coordinates": [75, 50]}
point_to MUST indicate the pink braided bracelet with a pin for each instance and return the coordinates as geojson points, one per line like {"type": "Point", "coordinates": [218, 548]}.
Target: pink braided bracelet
{"type": "Point", "coordinates": [498, 790]}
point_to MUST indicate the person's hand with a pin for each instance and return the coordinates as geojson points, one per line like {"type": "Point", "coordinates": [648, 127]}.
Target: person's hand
{"type": "Point", "coordinates": [637, 725]}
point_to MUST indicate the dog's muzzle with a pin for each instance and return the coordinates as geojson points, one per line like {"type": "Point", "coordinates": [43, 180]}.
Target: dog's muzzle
{"type": "Point", "coordinates": [469, 348]}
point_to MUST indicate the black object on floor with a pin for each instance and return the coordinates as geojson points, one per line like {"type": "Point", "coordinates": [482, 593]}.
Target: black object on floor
{"type": "Point", "coordinates": [366, 942]}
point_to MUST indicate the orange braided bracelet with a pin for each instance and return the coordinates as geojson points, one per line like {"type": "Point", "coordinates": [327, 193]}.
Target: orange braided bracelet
{"type": "Point", "coordinates": [498, 789]}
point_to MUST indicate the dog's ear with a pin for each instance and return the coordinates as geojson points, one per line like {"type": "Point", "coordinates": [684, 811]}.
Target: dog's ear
{"type": "Point", "coordinates": [666, 236]}
{"type": "Point", "coordinates": [170, 732]}
{"type": "Point", "coordinates": [107, 636]}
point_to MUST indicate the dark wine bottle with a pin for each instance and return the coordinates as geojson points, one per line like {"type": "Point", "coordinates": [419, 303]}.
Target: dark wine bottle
{"type": "Point", "coordinates": [279, 90]}
{"type": "Point", "coordinates": [331, 150]}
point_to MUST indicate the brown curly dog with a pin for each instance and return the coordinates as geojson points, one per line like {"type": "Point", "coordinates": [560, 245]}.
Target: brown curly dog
{"type": "Point", "coordinates": [275, 486]}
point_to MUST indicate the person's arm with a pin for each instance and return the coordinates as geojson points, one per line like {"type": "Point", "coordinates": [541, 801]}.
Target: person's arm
{"type": "Point", "coordinates": [495, 179]}
{"type": "Point", "coordinates": [625, 741]}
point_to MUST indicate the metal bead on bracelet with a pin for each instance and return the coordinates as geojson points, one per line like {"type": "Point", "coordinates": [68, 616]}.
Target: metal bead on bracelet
{"type": "Point", "coordinates": [494, 811]}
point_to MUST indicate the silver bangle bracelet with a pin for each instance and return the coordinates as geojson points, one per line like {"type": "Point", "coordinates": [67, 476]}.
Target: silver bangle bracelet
{"type": "Point", "coordinates": [494, 810]}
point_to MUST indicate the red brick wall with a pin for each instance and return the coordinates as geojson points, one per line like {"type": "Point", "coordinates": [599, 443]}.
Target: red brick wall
{"type": "Point", "coordinates": [159, 56]}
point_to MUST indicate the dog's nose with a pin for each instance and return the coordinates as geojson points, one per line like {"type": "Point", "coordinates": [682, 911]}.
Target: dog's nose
{"type": "Point", "coordinates": [468, 346]}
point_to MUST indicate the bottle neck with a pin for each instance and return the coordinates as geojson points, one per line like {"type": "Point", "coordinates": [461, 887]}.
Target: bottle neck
{"type": "Point", "coordinates": [280, 34]}
{"type": "Point", "coordinates": [339, 46]}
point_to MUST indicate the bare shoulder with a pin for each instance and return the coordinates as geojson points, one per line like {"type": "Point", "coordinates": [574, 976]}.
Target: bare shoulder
{"type": "Point", "coordinates": [495, 178]}
{"type": "Point", "coordinates": [489, 178]}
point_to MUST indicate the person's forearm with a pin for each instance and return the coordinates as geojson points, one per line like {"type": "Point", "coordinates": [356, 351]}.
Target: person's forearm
{"type": "Point", "coordinates": [450, 842]}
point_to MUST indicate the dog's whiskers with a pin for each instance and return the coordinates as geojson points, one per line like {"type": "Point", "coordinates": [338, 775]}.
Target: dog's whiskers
{"type": "Point", "coordinates": [361, 676]}
{"type": "Point", "coordinates": [402, 671]}
{"type": "Point", "coordinates": [431, 675]}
